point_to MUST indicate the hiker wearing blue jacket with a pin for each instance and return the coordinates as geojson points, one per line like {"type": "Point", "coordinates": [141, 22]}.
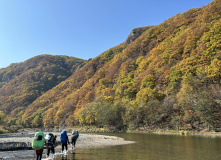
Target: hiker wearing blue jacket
{"type": "Point", "coordinates": [64, 140]}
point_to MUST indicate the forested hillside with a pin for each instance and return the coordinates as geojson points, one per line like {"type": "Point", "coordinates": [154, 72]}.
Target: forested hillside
{"type": "Point", "coordinates": [165, 76]}
{"type": "Point", "coordinates": [23, 83]}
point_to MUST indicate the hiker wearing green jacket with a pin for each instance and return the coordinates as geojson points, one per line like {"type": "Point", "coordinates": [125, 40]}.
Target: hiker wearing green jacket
{"type": "Point", "coordinates": [38, 144]}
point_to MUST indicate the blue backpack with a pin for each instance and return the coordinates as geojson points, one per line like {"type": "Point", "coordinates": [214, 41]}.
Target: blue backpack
{"type": "Point", "coordinates": [63, 137]}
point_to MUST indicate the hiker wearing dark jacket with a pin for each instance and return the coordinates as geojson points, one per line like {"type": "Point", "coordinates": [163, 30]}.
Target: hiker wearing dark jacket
{"type": "Point", "coordinates": [50, 143]}
{"type": "Point", "coordinates": [74, 137]}
{"type": "Point", "coordinates": [64, 140]}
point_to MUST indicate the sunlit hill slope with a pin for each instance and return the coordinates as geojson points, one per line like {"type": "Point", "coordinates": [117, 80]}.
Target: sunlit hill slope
{"type": "Point", "coordinates": [165, 76]}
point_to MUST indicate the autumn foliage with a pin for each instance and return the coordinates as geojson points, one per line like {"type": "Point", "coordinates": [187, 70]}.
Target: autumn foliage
{"type": "Point", "coordinates": [169, 77]}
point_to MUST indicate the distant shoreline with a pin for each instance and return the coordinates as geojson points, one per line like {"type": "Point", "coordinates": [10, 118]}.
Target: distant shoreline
{"type": "Point", "coordinates": [178, 132]}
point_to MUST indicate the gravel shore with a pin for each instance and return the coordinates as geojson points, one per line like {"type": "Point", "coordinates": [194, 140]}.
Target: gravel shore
{"type": "Point", "coordinates": [24, 140]}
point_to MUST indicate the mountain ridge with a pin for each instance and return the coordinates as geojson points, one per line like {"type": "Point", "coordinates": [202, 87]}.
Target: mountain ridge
{"type": "Point", "coordinates": [165, 76]}
{"type": "Point", "coordinates": [32, 78]}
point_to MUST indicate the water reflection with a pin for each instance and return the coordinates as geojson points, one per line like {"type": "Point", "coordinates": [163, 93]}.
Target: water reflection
{"type": "Point", "coordinates": [64, 157]}
{"type": "Point", "coordinates": [71, 156]}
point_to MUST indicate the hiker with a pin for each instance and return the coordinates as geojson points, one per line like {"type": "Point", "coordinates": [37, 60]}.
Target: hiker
{"type": "Point", "coordinates": [74, 137]}
{"type": "Point", "coordinates": [38, 144]}
{"type": "Point", "coordinates": [64, 140]}
{"type": "Point", "coordinates": [50, 142]}
{"type": "Point", "coordinates": [39, 154]}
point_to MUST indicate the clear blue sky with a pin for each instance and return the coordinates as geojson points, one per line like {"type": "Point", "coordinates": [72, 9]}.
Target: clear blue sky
{"type": "Point", "coordinates": [78, 28]}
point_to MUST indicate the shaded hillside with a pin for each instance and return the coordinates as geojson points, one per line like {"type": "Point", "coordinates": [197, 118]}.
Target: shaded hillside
{"type": "Point", "coordinates": [168, 77]}
{"type": "Point", "coordinates": [23, 82]}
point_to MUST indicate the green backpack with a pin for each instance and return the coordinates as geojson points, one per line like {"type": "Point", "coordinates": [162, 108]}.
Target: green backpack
{"type": "Point", "coordinates": [38, 141]}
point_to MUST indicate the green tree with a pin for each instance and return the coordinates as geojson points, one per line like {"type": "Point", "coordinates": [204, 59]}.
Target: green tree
{"type": "Point", "coordinates": [2, 117]}
{"type": "Point", "coordinates": [110, 115]}
{"type": "Point", "coordinates": [37, 121]}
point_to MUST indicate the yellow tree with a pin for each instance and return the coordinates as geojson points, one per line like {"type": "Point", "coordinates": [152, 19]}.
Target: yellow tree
{"type": "Point", "coordinates": [2, 117]}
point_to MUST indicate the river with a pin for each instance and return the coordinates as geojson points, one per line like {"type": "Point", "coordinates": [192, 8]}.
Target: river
{"type": "Point", "coordinates": [147, 147]}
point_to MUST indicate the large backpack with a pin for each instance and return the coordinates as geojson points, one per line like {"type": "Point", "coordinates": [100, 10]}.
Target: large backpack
{"type": "Point", "coordinates": [38, 141]}
{"type": "Point", "coordinates": [75, 134]}
{"type": "Point", "coordinates": [49, 139]}
{"type": "Point", "coordinates": [63, 137]}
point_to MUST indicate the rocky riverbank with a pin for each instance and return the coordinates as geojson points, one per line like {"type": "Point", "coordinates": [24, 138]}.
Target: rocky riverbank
{"type": "Point", "coordinates": [22, 141]}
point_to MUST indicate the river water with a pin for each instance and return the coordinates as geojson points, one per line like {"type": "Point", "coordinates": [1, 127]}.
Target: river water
{"type": "Point", "coordinates": [147, 147]}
